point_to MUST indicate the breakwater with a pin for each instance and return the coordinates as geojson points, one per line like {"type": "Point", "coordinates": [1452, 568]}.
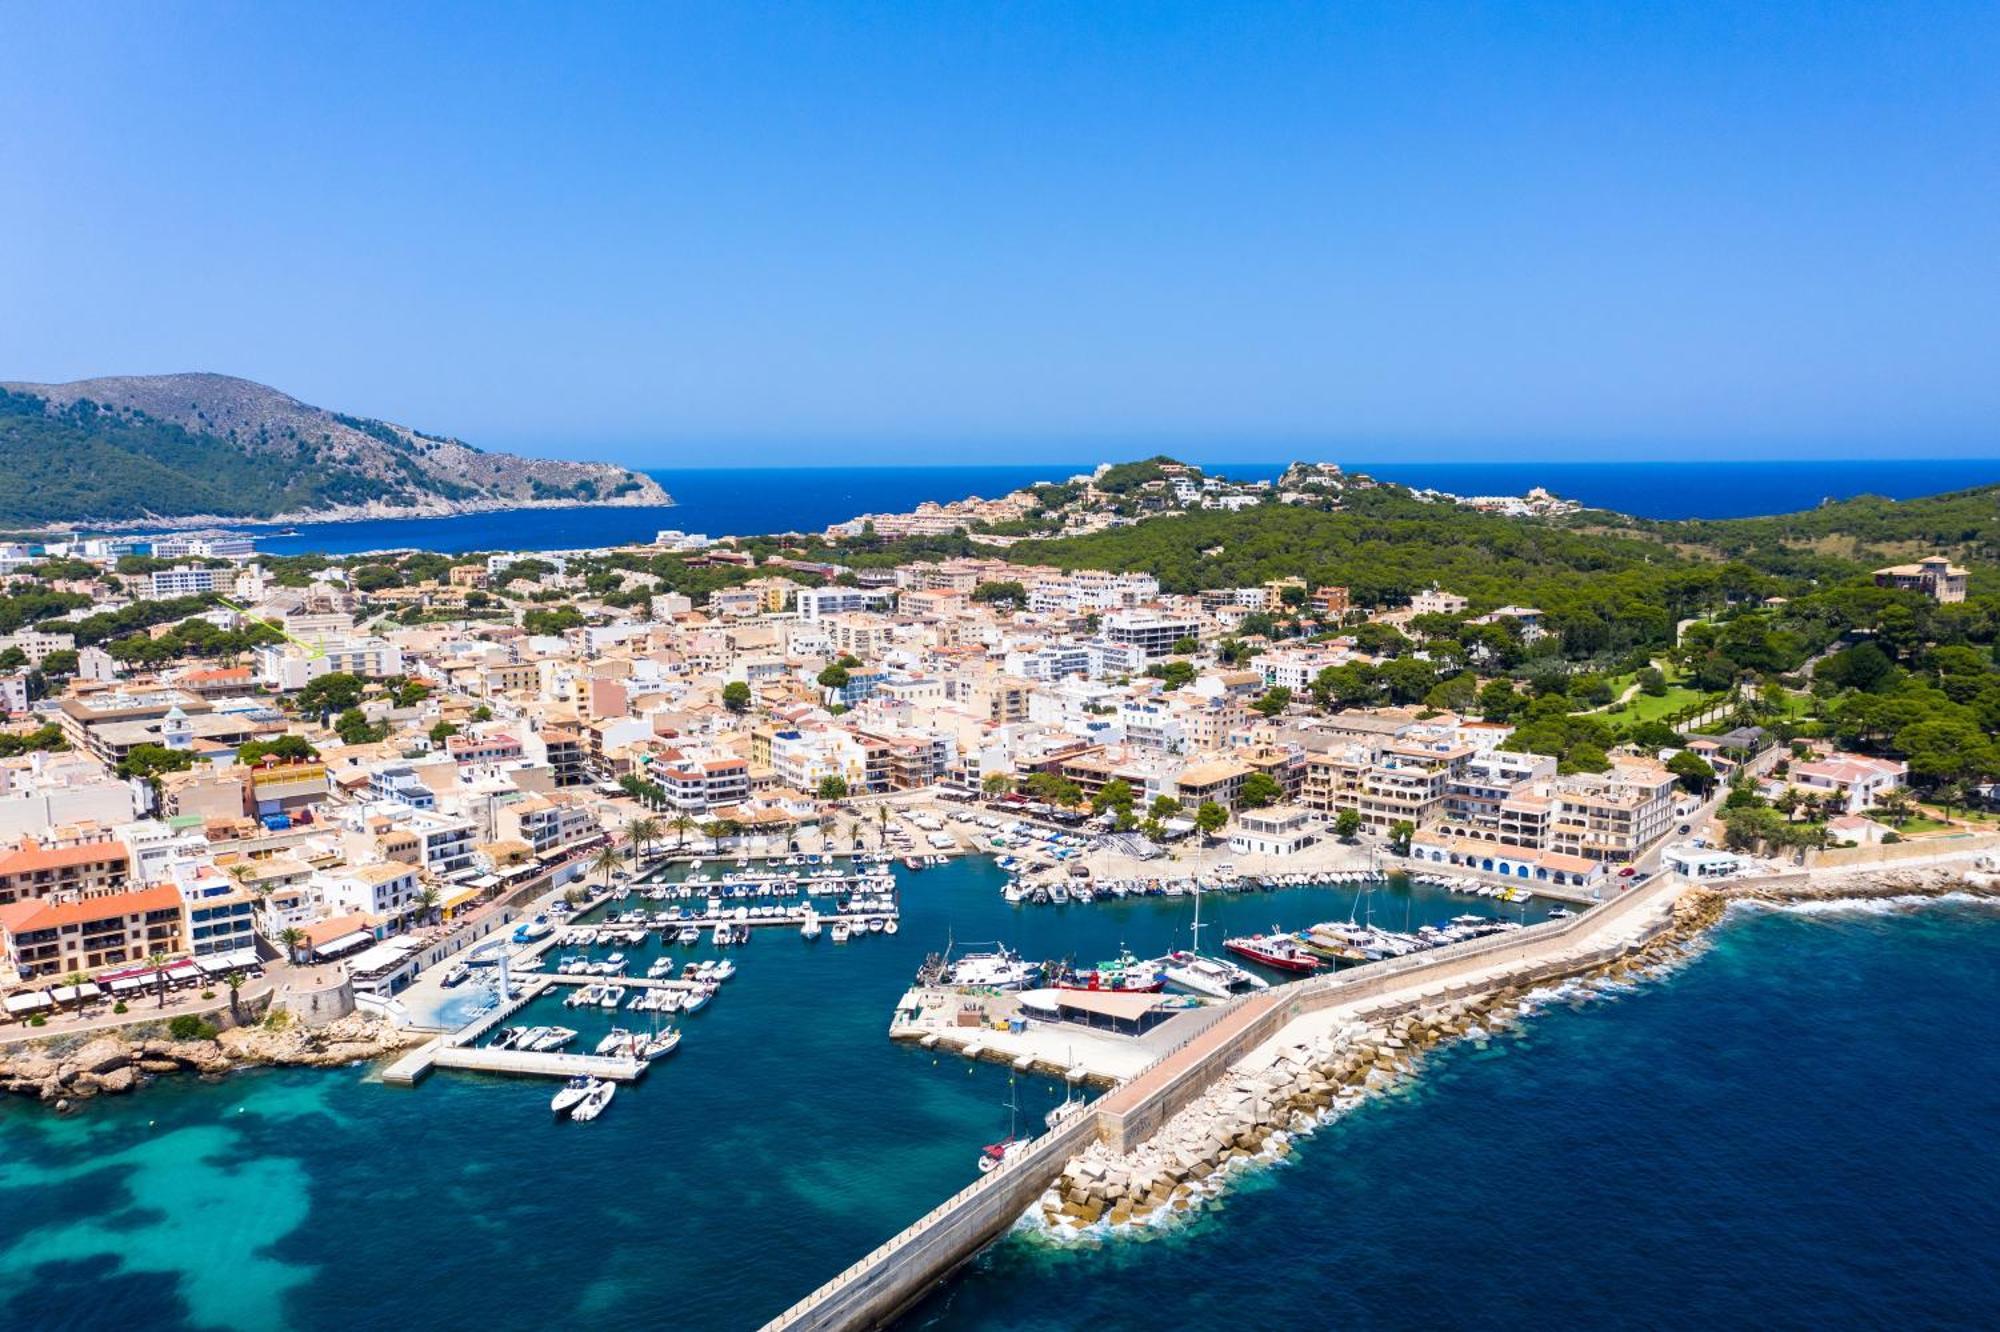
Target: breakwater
{"type": "Point", "coordinates": [1278, 1062]}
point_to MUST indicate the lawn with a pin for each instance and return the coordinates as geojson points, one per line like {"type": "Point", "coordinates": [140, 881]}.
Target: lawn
{"type": "Point", "coordinates": [1648, 707]}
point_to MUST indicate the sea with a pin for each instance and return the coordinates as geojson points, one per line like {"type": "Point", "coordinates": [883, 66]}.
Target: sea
{"type": "Point", "coordinates": [748, 501]}
{"type": "Point", "coordinates": [1794, 1129]}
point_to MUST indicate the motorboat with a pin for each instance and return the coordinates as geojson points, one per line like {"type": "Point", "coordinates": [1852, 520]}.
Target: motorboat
{"type": "Point", "coordinates": [997, 970]}
{"type": "Point", "coordinates": [614, 995]}
{"type": "Point", "coordinates": [571, 1095]}
{"type": "Point", "coordinates": [616, 1041]}
{"type": "Point", "coordinates": [810, 928]}
{"type": "Point", "coordinates": [889, 926]}
{"type": "Point", "coordinates": [1212, 976]}
{"type": "Point", "coordinates": [1279, 951]}
{"type": "Point", "coordinates": [723, 970]}
{"type": "Point", "coordinates": [594, 1100]}
{"type": "Point", "coordinates": [457, 975]}
{"type": "Point", "coordinates": [839, 931]}
{"type": "Point", "coordinates": [529, 931]}
{"type": "Point", "coordinates": [688, 934]}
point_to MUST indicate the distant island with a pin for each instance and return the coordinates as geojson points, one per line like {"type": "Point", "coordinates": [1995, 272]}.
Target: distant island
{"type": "Point", "coordinates": [190, 449]}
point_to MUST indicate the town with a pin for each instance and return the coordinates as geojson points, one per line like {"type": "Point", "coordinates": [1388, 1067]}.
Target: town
{"type": "Point", "coordinates": [223, 767]}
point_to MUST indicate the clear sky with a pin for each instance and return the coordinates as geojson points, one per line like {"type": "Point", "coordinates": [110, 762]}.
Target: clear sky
{"type": "Point", "coordinates": [674, 234]}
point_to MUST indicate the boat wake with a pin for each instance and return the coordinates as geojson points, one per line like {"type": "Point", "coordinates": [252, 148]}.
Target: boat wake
{"type": "Point", "coordinates": [1859, 906]}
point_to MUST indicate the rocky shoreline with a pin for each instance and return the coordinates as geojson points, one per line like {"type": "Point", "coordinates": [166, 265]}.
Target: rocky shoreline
{"type": "Point", "coordinates": [1252, 1115]}
{"type": "Point", "coordinates": [65, 1070]}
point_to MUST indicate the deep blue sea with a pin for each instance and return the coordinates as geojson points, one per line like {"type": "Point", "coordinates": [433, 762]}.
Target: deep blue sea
{"type": "Point", "coordinates": [1795, 1130]}
{"type": "Point", "coordinates": [749, 501]}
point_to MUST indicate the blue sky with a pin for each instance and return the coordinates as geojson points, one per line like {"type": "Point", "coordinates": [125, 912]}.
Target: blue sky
{"type": "Point", "coordinates": [741, 233]}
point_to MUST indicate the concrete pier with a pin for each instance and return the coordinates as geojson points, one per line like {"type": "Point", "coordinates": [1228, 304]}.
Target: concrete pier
{"type": "Point", "coordinates": [531, 1063]}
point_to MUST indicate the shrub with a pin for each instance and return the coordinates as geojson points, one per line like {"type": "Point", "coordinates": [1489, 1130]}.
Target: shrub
{"type": "Point", "coordinates": [188, 1027]}
{"type": "Point", "coordinates": [119, 1007]}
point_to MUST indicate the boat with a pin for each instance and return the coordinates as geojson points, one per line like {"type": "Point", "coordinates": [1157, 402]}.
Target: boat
{"type": "Point", "coordinates": [693, 1001]}
{"type": "Point", "coordinates": [1279, 951]}
{"type": "Point", "coordinates": [875, 925]}
{"type": "Point", "coordinates": [614, 995]}
{"type": "Point", "coordinates": [723, 970]}
{"type": "Point", "coordinates": [529, 931]}
{"type": "Point", "coordinates": [839, 931]}
{"type": "Point", "coordinates": [809, 928]}
{"type": "Point", "coordinates": [996, 1154]}
{"type": "Point", "coordinates": [660, 1046]}
{"type": "Point", "coordinates": [617, 1041]}
{"type": "Point", "coordinates": [457, 975]}
{"type": "Point", "coordinates": [594, 1100]}
{"type": "Point", "coordinates": [688, 934]}
{"type": "Point", "coordinates": [570, 1095]}
{"type": "Point", "coordinates": [997, 970]}
{"type": "Point", "coordinates": [912, 863]}
{"type": "Point", "coordinates": [1124, 974]}
{"type": "Point", "coordinates": [1212, 976]}
{"type": "Point", "coordinates": [889, 926]}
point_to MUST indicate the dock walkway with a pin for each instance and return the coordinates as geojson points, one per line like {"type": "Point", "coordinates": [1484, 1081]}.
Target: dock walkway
{"type": "Point", "coordinates": [533, 1063]}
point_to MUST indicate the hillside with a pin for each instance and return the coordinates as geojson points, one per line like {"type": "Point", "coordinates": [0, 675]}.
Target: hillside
{"type": "Point", "coordinates": [146, 448]}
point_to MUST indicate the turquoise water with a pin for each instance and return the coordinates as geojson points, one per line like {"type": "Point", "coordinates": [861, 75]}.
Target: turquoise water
{"type": "Point", "coordinates": [1759, 1139]}
{"type": "Point", "coordinates": [785, 1138]}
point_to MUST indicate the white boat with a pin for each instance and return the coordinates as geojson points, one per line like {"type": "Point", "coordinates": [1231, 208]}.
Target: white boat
{"type": "Point", "coordinates": [614, 995]}
{"type": "Point", "coordinates": [552, 1038]}
{"type": "Point", "coordinates": [723, 970]}
{"type": "Point", "coordinates": [998, 970]}
{"type": "Point", "coordinates": [890, 927]}
{"type": "Point", "coordinates": [594, 1100]}
{"type": "Point", "coordinates": [1211, 976]}
{"type": "Point", "coordinates": [571, 1095]}
{"type": "Point", "coordinates": [693, 1001]}
{"type": "Point", "coordinates": [839, 931]}
{"type": "Point", "coordinates": [689, 934]}
{"type": "Point", "coordinates": [616, 1041]}
{"type": "Point", "coordinates": [660, 1046]}
{"type": "Point", "coordinates": [875, 925]}
{"type": "Point", "coordinates": [809, 928]}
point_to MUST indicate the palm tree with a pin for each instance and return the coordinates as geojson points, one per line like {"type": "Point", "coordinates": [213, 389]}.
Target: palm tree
{"type": "Point", "coordinates": [234, 980]}
{"type": "Point", "coordinates": [292, 937]}
{"type": "Point", "coordinates": [882, 826]}
{"type": "Point", "coordinates": [428, 898]}
{"type": "Point", "coordinates": [643, 833]}
{"type": "Point", "coordinates": [854, 836]}
{"type": "Point", "coordinates": [75, 982]}
{"type": "Point", "coordinates": [682, 824]}
{"type": "Point", "coordinates": [605, 861]}
{"type": "Point", "coordinates": [158, 961]}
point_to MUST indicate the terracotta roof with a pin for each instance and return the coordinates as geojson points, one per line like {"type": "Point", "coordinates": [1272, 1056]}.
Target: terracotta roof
{"type": "Point", "coordinates": [35, 914]}
{"type": "Point", "coordinates": [27, 857]}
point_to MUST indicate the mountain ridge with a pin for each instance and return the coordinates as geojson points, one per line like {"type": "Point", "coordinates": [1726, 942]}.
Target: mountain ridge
{"type": "Point", "coordinates": [179, 449]}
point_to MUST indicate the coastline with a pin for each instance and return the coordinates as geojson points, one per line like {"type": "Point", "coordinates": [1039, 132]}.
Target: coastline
{"type": "Point", "coordinates": [348, 513]}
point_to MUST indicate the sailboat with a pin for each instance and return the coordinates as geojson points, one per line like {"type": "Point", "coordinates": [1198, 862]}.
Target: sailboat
{"type": "Point", "coordinates": [1212, 976]}
{"type": "Point", "coordinates": [996, 1154]}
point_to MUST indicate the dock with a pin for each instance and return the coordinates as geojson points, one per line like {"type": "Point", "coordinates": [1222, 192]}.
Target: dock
{"type": "Point", "coordinates": [532, 1063]}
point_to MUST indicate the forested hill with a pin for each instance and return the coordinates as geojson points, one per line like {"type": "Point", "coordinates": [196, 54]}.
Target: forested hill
{"type": "Point", "coordinates": [1964, 524]}
{"type": "Point", "coordinates": [139, 448]}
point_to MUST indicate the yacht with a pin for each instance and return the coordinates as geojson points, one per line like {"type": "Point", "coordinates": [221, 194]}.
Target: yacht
{"type": "Point", "coordinates": [997, 970]}
{"type": "Point", "coordinates": [617, 1041]}
{"type": "Point", "coordinates": [1212, 976]}
{"type": "Point", "coordinates": [457, 975]}
{"type": "Point", "coordinates": [660, 1046]}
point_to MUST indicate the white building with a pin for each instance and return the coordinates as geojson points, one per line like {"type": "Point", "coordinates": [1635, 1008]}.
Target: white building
{"type": "Point", "coordinates": [182, 581]}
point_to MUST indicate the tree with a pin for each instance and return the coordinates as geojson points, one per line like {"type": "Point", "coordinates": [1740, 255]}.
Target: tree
{"type": "Point", "coordinates": [641, 833]}
{"type": "Point", "coordinates": [1400, 833]}
{"type": "Point", "coordinates": [1154, 829]}
{"type": "Point", "coordinates": [158, 961]}
{"type": "Point", "coordinates": [1696, 774]}
{"type": "Point", "coordinates": [428, 900]}
{"type": "Point", "coordinates": [291, 748]}
{"type": "Point", "coordinates": [605, 862]}
{"type": "Point", "coordinates": [833, 787]}
{"type": "Point", "coordinates": [996, 784]}
{"type": "Point", "coordinates": [1652, 682]}
{"type": "Point", "coordinates": [1210, 818]}
{"type": "Point", "coordinates": [882, 826]}
{"type": "Point", "coordinates": [442, 732]}
{"type": "Point", "coordinates": [1164, 807]}
{"type": "Point", "coordinates": [1115, 794]}
{"type": "Point", "coordinates": [681, 825]}
{"type": "Point", "coordinates": [1274, 701]}
{"type": "Point", "coordinates": [150, 760]}
{"type": "Point", "coordinates": [293, 938]}
{"type": "Point", "coordinates": [354, 728]}
{"type": "Point", "coordinates": [834, 676]}
{"type": "Point", "coordinates": [1259, 790]}
{"type": "Point", "coordinates": [1185, 646]}
{"type": "Point", "coordinates": [1347, 824]}
{"type": "Point", "coordinates": [332, 692]}
{"type": "Point", "coordinates": [1898, 804]}
{"type": "Point", "coordinates": [736, 696]}
{"type": "Point", "coordinates": [75, 982]}
{"type": "Point", "coordinates": [1008, 594]}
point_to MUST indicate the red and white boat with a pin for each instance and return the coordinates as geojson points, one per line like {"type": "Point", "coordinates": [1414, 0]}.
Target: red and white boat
{"type": "Point", "coordinates": [1280, 951]}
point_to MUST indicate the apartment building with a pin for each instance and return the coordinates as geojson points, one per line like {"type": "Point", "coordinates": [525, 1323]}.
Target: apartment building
{"type": "Point", "coordinates": [817, 603]}
{"type": "Point", "coordinates": [386, 892]}
{"type": "Point", "coordinates": [30, 871]}
{"type": "Point", "coordinates": [41, 937]}
{"type": "Point", "coordinates": [1153, 633]}
{"type": "Point", "coordinates": [699, 785]}
{"type": "Point", "coordinates": [182, 580]}
{"type": "Point", "coordinates": [542, 823]}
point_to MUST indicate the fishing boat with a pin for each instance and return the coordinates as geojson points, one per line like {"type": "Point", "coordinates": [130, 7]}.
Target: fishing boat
{"type": "Point", "coordinates": [570, 1095]}
{"type": "Point", "coordinates": [1279, 951]}
{"type": "Point", "coordinates": [1124, 974]}
{"type": "Point", "coordinates": [595, 1099]}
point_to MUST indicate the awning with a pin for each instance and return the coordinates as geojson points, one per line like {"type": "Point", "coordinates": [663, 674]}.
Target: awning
{"type": "Point", "coordinates": [236, 959]}
{"type": "Point", "coordinates": [127, 984]}
{"type": "Point", "coordinates": [346, 943]}
{"type": "Point", "coordinates": [69, 994]}
{"type": "Point", "coordinates": [27, 1002]}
